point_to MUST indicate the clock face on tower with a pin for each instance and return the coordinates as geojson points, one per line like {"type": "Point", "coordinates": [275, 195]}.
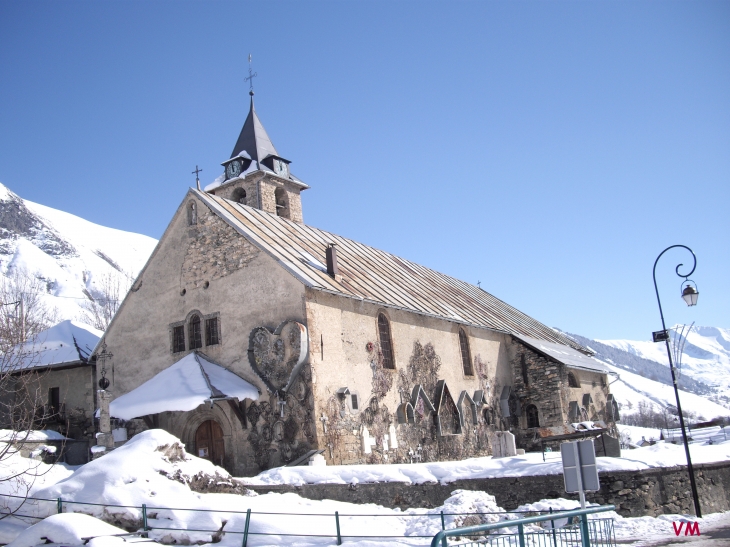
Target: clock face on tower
{"type": "Point", "coordinates": [280, 167]}
{"type": "Point", "coordinates": [233, 169]}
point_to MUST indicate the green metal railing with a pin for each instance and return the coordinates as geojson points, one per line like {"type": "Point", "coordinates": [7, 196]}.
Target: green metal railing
{"type": "Point", "coordinates": [600, 531]}
{"type": "Point", "coordinates": [588, 533]}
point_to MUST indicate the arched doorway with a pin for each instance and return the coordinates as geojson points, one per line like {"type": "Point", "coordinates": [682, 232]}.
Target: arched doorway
{"type": "Point", "coordinates": [209, 442]}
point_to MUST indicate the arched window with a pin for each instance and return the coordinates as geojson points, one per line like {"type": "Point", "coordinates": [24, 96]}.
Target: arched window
{"type": "Point", "coordinates": [282, 203]}
{"type": "Point", "coordinates": [572, 380]}
{"type": "Point", "coordinates": [533, 419]}
{"type": "Point", "coordinates": [195, 333]}
{"type": "Point", "coordinates": [465, 353]}
{"type": "Point", "coordinates": [386, 346]}
{"type": "Point", "coordinates": [239, 196]}
{"type": "Point", "coordinates": [192, 214]}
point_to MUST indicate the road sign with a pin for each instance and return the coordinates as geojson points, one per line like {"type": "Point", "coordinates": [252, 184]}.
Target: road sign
{"type": "Point", "coordinates": [580, 472]}
{"type": "Point", "coordinates": [660, 335]}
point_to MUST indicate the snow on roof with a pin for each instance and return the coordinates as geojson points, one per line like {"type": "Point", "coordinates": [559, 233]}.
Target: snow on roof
{"type": "Point", "coordinates": [67, 342]}
{"type": "Point", "coordinates": [564, 354]}
{"type": "Point", "coordinates": [190, 382]}
{"type": "Point", "coordinates": [36, 435]}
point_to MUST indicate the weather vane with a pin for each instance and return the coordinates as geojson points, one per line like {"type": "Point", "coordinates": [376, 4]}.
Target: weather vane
{"type": "Point", "coordinates": [197, 178]}
{"type": "Point", "coordinates": [250, 77]}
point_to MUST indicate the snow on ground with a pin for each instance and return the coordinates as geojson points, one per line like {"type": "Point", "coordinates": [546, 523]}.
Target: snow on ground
{"type": "Point", "coordinates": [153, 468]}
{"type": "Point", "coordinates": [637, 433]}
{"type": "Point", "coordinates": [68, 529]}
{"type": "Point", "coordinates": [25, 476]}
{"type": "Point", "coordinates": [530, 464]}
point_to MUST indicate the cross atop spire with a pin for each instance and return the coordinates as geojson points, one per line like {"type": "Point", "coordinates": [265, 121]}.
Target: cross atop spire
{"type": "Point", "coordinates": [197, 178]}
{"type": "Point", "coordinates": [250, 77]}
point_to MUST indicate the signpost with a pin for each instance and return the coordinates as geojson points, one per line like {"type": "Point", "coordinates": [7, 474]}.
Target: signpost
{"type": "Point", "coordinates": [580, 472]}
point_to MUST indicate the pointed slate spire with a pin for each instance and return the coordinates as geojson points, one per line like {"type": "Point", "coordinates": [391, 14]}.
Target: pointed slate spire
{"type": "Point", "coordinates": [253, 138]}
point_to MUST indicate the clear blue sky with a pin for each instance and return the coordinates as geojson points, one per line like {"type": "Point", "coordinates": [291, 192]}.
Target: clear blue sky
{"type": "Point", "coordinates": [549, 150]}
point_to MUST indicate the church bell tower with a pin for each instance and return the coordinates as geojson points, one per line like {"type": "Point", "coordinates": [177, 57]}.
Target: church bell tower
{"type": "Point", "coordinates": [257, 176]}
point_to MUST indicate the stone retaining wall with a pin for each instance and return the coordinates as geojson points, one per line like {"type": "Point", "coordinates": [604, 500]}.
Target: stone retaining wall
{"type": "Point", "coordinates": [635, 493]}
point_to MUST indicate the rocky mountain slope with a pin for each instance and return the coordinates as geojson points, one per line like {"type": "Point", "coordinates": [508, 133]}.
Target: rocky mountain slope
{"type": "Point", "coordinates": [73, 257]}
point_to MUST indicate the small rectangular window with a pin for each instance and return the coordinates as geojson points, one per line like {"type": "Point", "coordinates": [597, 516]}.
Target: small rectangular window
{"type": "Point", "coordinates": [211, 331]}
{"type": "Point", "coordinates": [354, 401]}
{"type": "Point", "coordinates": [178, 339]}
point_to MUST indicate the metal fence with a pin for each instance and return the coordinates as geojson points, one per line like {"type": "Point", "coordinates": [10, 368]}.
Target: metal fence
{"type": "Point", "coordinates": [331, 525]}
{"type": "Point", "coordinates": [585, 533]}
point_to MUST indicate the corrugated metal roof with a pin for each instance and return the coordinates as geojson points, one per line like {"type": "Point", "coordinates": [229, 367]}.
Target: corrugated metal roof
{"type": "Point", "coordinates": [377, 276]}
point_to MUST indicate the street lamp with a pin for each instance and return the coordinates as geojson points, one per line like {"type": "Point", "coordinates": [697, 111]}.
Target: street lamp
{"type": "Point", "coordinates": [689, 295]}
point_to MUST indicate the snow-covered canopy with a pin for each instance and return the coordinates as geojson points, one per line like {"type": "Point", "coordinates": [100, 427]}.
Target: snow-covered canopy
{"type": "Point", "coordinates": [65, 343]}
{"type": "Point", "coordinates": [190, 382]}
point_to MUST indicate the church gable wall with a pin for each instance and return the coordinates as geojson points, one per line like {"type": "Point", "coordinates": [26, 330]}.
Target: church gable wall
{"type": "Point", "coordinates": [208, 269]}
{"type": "Point", "coordinates": [346, 353]}
{"type": "Point", "coordinates": [214, 250]}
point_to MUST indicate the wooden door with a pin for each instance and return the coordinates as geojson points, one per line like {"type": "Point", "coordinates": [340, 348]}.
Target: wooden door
{"type": "Point", "coordinates": [209, 442]}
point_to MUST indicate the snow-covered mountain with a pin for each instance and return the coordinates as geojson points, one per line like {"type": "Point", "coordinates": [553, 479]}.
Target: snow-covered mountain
{"type": "Point", "coordinates": [705, 357]}
{"type": "Point", "coordinates": [72, 256]}
{"type": "Point", "coordinates": [643, 372]}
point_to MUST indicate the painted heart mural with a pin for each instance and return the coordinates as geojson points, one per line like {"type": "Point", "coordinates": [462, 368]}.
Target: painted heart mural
{"type": "Point", "coordinates": [278, 356]}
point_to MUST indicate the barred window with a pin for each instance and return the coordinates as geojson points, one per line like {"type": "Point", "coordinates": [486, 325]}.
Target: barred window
{"type": "Point", "coordinates": [194, 334]}
{"type": "Point", "coordinates": [211, 331]}
{"type": "Point", "coordinates": [178, 339]}
{"type": "Point", "coordinates": [465, 353]}
{"type": "Point", "coordinates": [385, 342]}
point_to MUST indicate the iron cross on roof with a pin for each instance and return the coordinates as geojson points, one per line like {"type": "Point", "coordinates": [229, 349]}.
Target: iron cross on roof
{"type": "Point", "coordinates": [197, 178]}
{"type": "Point", "coordinates": [250, 76]}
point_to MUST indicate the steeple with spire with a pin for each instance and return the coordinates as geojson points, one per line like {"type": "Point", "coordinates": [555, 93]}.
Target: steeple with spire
{"type": "Point", "coordinates": [256, 175]}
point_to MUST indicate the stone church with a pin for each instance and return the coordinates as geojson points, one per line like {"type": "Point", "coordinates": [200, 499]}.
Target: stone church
{"type": "Point", "coordinates": [261, 341]}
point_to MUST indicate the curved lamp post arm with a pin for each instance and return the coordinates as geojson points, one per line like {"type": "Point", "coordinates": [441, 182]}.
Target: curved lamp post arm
{"type": "Point", "coordinates": [694, 265]}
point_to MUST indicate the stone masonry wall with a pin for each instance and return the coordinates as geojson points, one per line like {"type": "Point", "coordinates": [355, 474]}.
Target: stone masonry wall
{"type": "Point", "coordinates": [635, 493]}
{"type": "Point", "coordinates": [214, 250]}
{"type": "Point", "coordinates": [541, 382]}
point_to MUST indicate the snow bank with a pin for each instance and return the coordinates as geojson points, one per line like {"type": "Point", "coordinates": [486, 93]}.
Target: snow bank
{"type": "Point", "coordinates": [530, 464]}
{"type": "Point", "coordinates": [66, 529]}
{"type": "Point", "coordinates": [153, 469]}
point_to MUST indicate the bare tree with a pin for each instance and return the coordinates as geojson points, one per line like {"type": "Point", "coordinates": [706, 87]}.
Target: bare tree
{"type": "Point", "coordinates": [110, 291]}
{"type": "Point", "coordinates": [23, 316]}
